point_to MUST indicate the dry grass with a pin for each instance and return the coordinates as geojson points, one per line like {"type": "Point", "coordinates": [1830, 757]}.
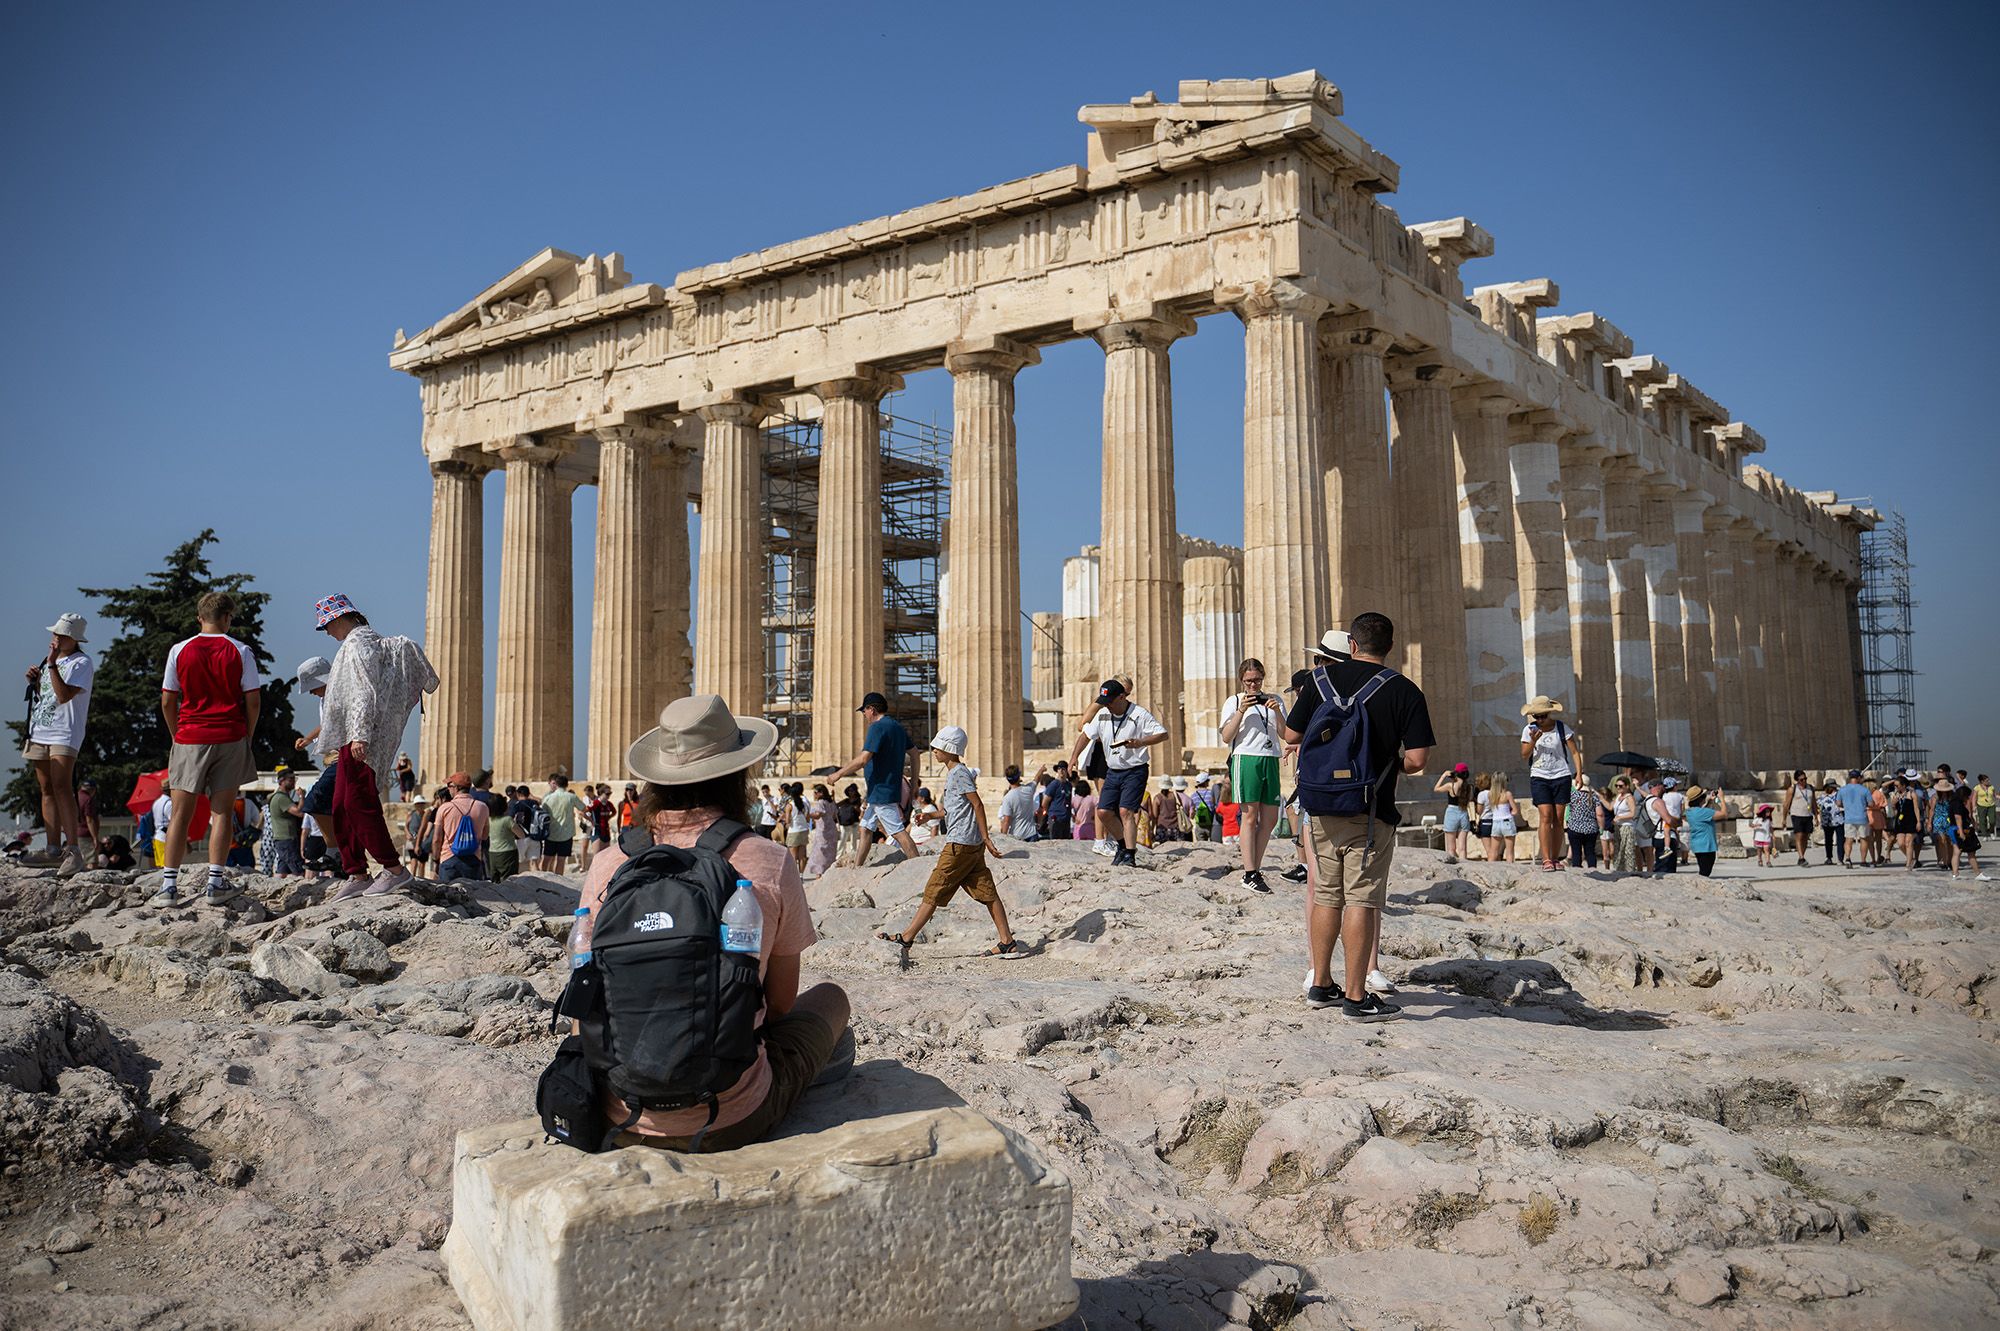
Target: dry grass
{"type": "Point", "coordinates": [1538, 1220]}
{"type": "Point", "coordinates": [1218, 1137]}
{"type": "Point", "coordinates": [1438, 1211]}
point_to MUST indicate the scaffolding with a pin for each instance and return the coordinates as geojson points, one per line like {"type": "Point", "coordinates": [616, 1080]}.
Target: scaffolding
{"type": "Point", "coordinates": [1888, 667]}
{"type": "Point", "coordinates": [914, 506]}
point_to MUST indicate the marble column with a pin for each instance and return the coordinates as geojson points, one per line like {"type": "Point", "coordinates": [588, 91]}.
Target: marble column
{"type": "Point", "coordinates": [1139, 628]}
{"type": "Point", "coordinates": [1284, 526]}
{"type": "Point", "coordinates": [1675, 736]}
{"type": "Point", "coordinates": [979, 642]}
{"type": "Point", "coordinates": [1430, 624]}
{"type": "Point", "coordinates": [534, 689]}
{"type": "Point", "coordinates": [729, 625]}
{"type": "Point", "coordinates": [1534, 466]}
{"type": "Point", "coordinates": [1212, 645]}
{"type": "Point", "coordinates": [1495, 672]}
{"type": "Point", "coordinates": [455, 621]}
{"type": "Point", "coordinates": [1771, 749]}
{"type": "Point", "coordinates": [1719, 546]}
{"type": "Point", "coordinates": [1363, 552]}
{"type": "Point", "coordinates": [623, 661]}
{"type": "Point", "coordinates": [1697, 633]}
{"type": "Point", "coordinates": [849, 642]}
{"type": "Point", "coordinates": [1850, 618]}
{"type": "Point", "coordinates": [1079, 638]}
{"type": "Point", "coordinates": [1589, 593]}
{"type": "Point", "coordinates": [1795, 669]}
{"type": "Point", "coordinates": [1631, 613]}
{"type": "Point", "coordinates": [1045, 658]}
{"type": "Point", "coordinates": [672, 675]}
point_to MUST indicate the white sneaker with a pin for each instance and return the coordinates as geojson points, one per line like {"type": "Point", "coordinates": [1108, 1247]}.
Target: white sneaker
{"type": "Point", "coordinates": [1983, 878]}
{"type": "Point", "coordinates": [1309, 977]}
{"type": "Point", "coordinates": [1102, 847]}
{"type": "Point", "coordinates": [350, 887]}
{"type": "Point", "coordinates": [389, 880]}
{"type": "Point", "coordinates": [72, 863]}
{"type": "Point", "coordinates": [1378, 983]}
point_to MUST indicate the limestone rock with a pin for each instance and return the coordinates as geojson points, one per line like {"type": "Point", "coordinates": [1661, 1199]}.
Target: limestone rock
{"type": "Point", "coordinates": [938, 1218]}
{"type": "Point", "coordinates": [297, 969]}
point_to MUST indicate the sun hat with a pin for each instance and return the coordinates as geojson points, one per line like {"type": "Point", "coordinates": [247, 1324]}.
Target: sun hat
{"type": "Point", "coordinates": [314, 672]}
{"type": "Point", "coordinates": [1201, 779]}
{"type": "Point", "coordinates": [1542, 705]}
{"type": "Point", "coordinates": [1334, 645]}
{"type": "Point", "coordinates": [1695, 793]}
{"type": "Point", "coordinates": [330, 608]}
{"type": "Point", "coordinates": [1180, 783]}
{"type": "Point", "coordinates": [697, 740]}
{"type": "Point", "coordinates": [950, 740]}
{"type": "Point", "coordinates": [70, 625]}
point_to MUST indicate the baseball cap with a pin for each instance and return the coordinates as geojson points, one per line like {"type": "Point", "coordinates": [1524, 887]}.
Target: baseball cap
{"type": "Point", "coordinates": [459, 779]}
{"type": "Point", "coordinates": [1670, 783]}
{"type": "Point", "coordinates": [1854, 771]}
{"type": "Point", "coordinates": [1110, 689]}
{"type": "Point", "coordinates": [1461, 770]}
{"type": "Point", "coordinates": [950, 740]}
{"type": "Point", "coordinates": [875, 700]}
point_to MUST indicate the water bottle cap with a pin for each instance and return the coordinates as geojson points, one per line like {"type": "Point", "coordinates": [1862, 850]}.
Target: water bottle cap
{"type": "Point", "coordinates": [583, 910]}
{"type": "Point", "coordinates": [743, 882]}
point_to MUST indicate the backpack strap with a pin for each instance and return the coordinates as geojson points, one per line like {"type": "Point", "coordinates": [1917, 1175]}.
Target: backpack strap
{"type": "Point", "coordinates": [635, 839]}
{"type": "Point", "coordinates": [721, 835]}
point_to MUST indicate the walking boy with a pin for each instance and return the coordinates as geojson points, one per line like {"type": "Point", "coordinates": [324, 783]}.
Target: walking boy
{"type": "Point", "coordinates": [211, 696]}
{"type": "Point", "coordinates": [963, 863]}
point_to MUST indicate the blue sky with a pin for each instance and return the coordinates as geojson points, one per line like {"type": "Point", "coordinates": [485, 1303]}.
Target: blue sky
{"type": "Point", "coordinates": [219, 214]}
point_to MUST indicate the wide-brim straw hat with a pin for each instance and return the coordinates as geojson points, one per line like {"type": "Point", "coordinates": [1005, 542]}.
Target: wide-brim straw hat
{"type": "Point", "coordinates": [1542, 705]}
{"type": "Point", "coordinates": [698, 739]}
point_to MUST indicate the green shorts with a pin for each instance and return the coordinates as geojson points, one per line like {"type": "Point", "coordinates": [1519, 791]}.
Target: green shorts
{"type": "Point", "coordinates": [1253, 778]}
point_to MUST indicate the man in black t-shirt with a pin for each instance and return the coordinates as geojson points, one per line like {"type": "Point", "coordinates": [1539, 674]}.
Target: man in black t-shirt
{"type": "Point", "coordinates": [1354, 853]}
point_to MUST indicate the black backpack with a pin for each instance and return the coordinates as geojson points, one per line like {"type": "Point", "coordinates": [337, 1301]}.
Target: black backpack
{"type": "Point", "coordinates": [668, 1018]}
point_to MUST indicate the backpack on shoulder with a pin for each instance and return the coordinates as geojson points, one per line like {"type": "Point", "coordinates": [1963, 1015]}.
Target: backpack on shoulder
{"type": "Point", "coordinates": [465, 837]}
{"type": "Point", "coordinates": [538, 824]}
{"type": "Point", "coordinates": [1337, 774]}
{"type": "Point", "coordinates": [667, 1019]}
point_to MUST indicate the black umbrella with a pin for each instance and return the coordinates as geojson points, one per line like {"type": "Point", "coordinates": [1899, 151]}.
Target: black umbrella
{"type": "Point", "coordinates": [1626, 758]}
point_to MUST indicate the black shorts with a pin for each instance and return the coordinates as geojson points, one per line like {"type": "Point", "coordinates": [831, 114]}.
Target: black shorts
{"type": "Point", "coordinates": [1803, 826]}
{"type": "Point", "coordinates": [1125, 788]}
{"type": "Point", "coordinates": [319, 795]}
{"type": "Point", "coordinates": [1549, 790]}
{"type": "Point", "coordinates": [557, 849]}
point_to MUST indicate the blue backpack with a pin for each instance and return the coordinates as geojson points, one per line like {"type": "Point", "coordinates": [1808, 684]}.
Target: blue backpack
{"type": "Point", "coordinates": [1336, 768]}
{"type": "Point", "coordinates": [465, 837]}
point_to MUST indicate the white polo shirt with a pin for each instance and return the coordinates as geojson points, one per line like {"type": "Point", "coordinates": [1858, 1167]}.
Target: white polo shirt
{"type": "Point", "coordinates": [1137, 723]}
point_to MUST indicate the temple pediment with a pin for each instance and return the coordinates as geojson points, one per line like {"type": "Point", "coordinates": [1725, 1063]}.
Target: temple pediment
{"type": "Point", "coordinates": [548, 281]}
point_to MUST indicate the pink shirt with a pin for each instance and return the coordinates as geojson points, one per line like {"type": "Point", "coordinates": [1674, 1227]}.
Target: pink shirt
{"type": "Point", "coordinates": [788, 931]}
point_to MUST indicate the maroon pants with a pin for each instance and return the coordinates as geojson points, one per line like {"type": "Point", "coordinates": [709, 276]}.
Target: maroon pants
{"type": "Point", "coordinates": [357, 804]}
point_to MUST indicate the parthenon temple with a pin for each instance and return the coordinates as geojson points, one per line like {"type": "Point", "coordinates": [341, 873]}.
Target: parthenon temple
{"type": "Point", "coordinates": [1539, 509]}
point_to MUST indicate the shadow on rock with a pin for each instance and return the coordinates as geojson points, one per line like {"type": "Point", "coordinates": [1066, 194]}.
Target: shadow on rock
{"type": "Point", "coordinates": [1527, 990]}
{"type": "Point", "coordinates": [875, 1089]}
{"type": "Point", "coordinates": [1202, 1291]}
{"type": "Point", "coordinates": [1456, 893]}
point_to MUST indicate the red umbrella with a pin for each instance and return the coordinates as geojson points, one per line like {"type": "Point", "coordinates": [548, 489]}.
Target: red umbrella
{"type": "Point", "coordinates": [149, 787]}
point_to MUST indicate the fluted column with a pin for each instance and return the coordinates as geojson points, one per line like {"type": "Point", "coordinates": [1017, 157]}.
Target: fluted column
{"type": "Point", "coordinates": [1284, 526]}
{"type": "Point", "coordinates": [729, 628]}
{"type": "Point", "coordinates": [1857, 705]}
{"type": "Point", "coordinates": [1675, 736]}
{"type": "Point", "coordinates": [453, 736]}
{"type": "Point", "coordinates": [1139, 628]}
{"type": "Point", "coordinates": [1080, 603]}
{"type": "Point", "coordinates": [1719, 547]}
{"type": "Point", "coordinates": [980, 640]}
{"type": "Point", "coordinates": [1045, 657]}
{"type": "Point", "coordinates": [623, 661]}
{"type": "Point", "coordinates": [1795, 677]}
{"type": "Point", "coordinates": [1430, 625]}
{"type": "Point", "coordinates": [848, 639]}
{"type": "Point", "coordinates": [1495, 673]}
{"type": "Point", "coordinates": [1363, 552]}
{"type": "Point", "coordinates": [1212, 644]}
{"type": "Point", "coordinates": [1589, 593]}
{"type": "Point", "coordinates": [672, 675]}
{"type": "Point", "coordinates": [534, 691]}
{"type": "Point", "coordinates": [1697, 633]}
{"type": "Point", "coordinates": [1631, 613]}
{"type": "Point", "coordinates": [1771, 750]}
{"type": "Point", "coordinates": [1534, 466]}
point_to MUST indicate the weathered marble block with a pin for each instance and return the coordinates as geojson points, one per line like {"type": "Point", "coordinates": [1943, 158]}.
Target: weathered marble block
{"type": "Point", "coordinates": [939, 1218]}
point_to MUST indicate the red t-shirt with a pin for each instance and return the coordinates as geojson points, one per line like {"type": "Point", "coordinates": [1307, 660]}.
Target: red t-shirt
{"type": "Point", "coordinates": [211, 672]}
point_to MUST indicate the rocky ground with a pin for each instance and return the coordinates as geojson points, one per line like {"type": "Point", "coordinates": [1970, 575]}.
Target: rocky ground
{"type": "Point", "coordinates": [1762, 1100]}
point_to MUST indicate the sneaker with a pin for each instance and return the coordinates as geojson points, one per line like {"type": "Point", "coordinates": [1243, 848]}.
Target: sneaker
{"type": "Point", "coordinates": [45, 858]}
{"type": "Point", "coordinates": [1295, 874]}
{"type": "Point", "coordinates": [1254, 880]}
{"type": "Point", "coordinates": [1983, 877]}
{"type": "Point", "coordinates": [390, 880]}
{"type": "Point", "coordinates": [1370, 1009]}
{"type": "Point", "coordinates": [351, 887]}
{"type": "Point", "coordinates": [166, 896]}
{"type": "Point", "coordinates": [1378, 983]}
{"type": "Point", "coordinates": [72, 863]}
{"type": "Point", "coordinates": [1101, 847]}
{"type": "Point", "coordinates": [219, 896]}
{"type": "Point", "coordinates": [1323, 995]}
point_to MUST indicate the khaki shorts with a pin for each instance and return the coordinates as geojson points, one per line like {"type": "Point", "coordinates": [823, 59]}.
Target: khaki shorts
{"type": "Point", "coordinates": [1351, 873]}
{"type": "Point", "coordinates": [37, 753]}
{"type": "Point", "coordinates": [214, 770]}
{"type": "Point", "coordinates": [961, 866]}
{"type": "Point", "coordinates": [798, 1045]}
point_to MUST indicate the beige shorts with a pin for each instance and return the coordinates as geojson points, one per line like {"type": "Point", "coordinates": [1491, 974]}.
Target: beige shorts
{"type": "Point", "coordinates": [1351, 872]}
{"type": "Point", "coordinates": [36, 753]}
{"type": "Point", "coordinates": [215, 770]}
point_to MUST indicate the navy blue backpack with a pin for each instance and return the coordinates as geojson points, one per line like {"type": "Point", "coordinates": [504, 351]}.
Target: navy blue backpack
{"type": "Point", "coordinates": [1337, 772]}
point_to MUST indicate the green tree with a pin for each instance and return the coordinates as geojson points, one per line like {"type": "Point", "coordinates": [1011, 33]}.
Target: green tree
{"type": "Point", "coordinates": [126, 734]}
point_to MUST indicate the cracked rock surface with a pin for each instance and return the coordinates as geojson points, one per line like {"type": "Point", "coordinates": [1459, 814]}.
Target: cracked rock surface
{"type": "Point", "coordinates": [1769, 1100]}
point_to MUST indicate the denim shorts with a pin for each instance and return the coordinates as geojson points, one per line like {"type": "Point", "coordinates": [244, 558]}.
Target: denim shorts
{"type": "Point", "coordinates": [319, 796]}
{"type": "Point", "coordinates": [1455, 819]}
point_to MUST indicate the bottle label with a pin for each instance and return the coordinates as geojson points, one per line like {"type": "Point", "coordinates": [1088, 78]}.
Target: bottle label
{"type": "Point", "coordinates": [742, 938]}
{"type": "Point", "coordinates": [580, 960]}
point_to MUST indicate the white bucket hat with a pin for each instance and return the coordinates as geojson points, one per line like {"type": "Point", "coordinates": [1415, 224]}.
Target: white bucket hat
{"type": "Point", "coordinates": [1180, 783]}
{"type": "Point", "coordinates": [697, 740]}
{"type": "Point", "coordinates": [1201, 779]}
{"type": "Point", "coordinates": [950, 740]}
{"type": "Point", "coordinates": [314, 672]}
{"type": "Point", "coordinates": [70, 625]}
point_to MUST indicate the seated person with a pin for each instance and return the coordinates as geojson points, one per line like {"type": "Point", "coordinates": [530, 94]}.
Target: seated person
{"type": "Point", "coordinates": [114, 852]}
{"type": "Point", "coordinates": [695, 767]}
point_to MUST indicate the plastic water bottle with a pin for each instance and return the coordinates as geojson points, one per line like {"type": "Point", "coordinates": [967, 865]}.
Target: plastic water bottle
{"type": "Point", "coordinates": [579, 939]}
{"type": "Point", "coordinates": [743, 921]}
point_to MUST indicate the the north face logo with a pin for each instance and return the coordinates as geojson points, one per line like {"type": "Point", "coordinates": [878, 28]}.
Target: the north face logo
{"type": "Point", "coordinates": [654, 923]}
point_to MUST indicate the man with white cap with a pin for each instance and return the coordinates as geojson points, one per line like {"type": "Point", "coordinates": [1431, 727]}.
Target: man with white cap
{"type": "Point", "coordinates": [59, 696]}
{"type": "Point", "coordinates": [963, 863]}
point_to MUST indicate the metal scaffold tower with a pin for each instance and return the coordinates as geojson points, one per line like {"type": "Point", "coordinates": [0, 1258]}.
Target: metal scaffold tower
{"type": "Point", "coordinates": [914, 507]}
{"type": "Point", "coordinates": [1888, 667]}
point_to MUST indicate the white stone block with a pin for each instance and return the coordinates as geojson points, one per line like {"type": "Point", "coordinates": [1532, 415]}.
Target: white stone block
{"type": "Point", "coordinates": [935, 1219]}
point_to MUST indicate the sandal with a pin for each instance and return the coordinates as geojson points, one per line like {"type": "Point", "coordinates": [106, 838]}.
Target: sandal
{"type": "Point", "coordinates": [1011, 950]}
{"type": "Point", "coordinates": [897, 939]}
